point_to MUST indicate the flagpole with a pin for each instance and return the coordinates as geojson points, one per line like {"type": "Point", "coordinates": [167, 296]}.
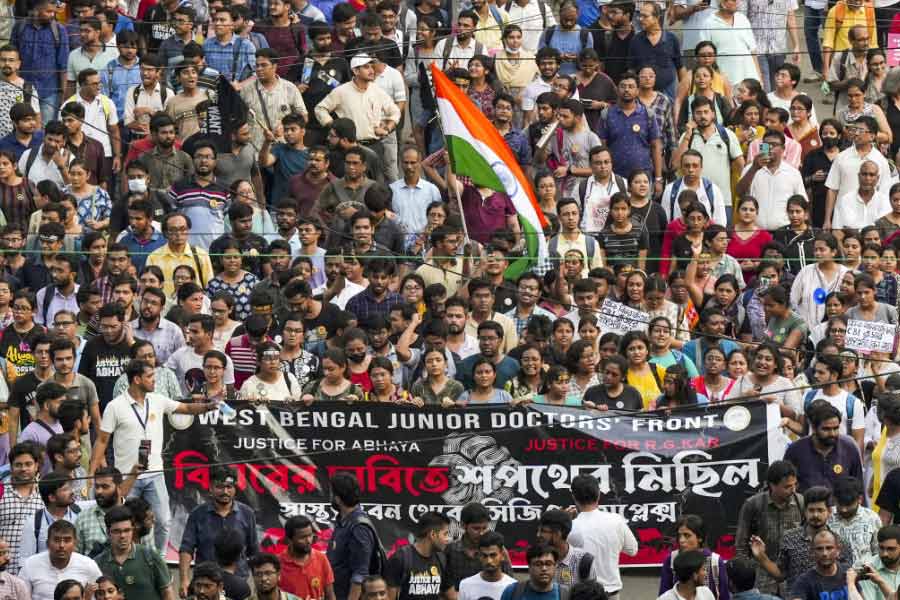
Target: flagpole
{"type": "Point", "coordinates": [454, 191]}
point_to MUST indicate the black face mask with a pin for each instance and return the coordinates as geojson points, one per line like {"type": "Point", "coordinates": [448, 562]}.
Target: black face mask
{"type": "Point", "coordinates": [356, 358]}
{"type": "Point", "coordinates": [831, 142]}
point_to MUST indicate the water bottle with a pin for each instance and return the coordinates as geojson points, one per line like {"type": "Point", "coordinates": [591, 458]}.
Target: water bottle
{"type": "Point", "coordinates": [226, 410]}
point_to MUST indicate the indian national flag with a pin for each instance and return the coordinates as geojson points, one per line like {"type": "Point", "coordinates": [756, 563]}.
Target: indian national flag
{"type": "Point", "coordinates": [478, 151]}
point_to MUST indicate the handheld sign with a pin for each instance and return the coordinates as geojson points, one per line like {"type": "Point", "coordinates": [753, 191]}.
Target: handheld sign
{"type": "Point", "coordinates": [617, 318]}
{"type": "Point", "coordinates": [870, 336]}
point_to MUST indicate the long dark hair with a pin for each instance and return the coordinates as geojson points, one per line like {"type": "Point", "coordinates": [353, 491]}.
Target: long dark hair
{"type": "Point", "coordinates": [684, 392]}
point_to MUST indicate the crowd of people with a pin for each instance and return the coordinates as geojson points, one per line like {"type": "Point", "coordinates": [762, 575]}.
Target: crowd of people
{"type": "Point", "coordinates": [325, 248]}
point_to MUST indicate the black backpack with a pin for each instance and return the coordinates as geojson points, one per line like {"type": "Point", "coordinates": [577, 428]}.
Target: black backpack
{"type": "Point", "coordinates": [39, 521]}
{"type": "Point", "coordinates": [379, 558]}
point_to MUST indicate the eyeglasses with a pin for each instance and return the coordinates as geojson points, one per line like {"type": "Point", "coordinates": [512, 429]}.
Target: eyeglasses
{"type": "Point", "coordinates": [22, 307]}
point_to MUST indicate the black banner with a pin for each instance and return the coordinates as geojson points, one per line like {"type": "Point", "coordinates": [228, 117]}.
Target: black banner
{"type": "Point", "coordinates": [652, 467]}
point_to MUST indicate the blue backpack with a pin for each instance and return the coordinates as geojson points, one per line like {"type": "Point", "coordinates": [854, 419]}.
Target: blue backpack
{"type": "Point", "coordinates": [707, 188]}
{"type": "Point", "coordinates": [851, 402]}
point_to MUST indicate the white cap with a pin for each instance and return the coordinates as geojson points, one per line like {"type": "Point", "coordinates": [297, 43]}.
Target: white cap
{"type": "Point", "coordinates": [360, 60]}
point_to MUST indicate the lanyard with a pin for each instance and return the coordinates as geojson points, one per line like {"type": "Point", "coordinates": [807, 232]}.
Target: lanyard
{"type": "Point", "coordinates": [262, 105]}
{"type": "Point", "coordinates": [146, 418]}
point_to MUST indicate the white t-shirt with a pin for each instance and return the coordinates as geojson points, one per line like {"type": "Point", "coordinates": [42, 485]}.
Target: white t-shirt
{"type": "Point", "coordinates": [123, 417]}
{"type": "Point", "coordinates": [188, 368]}
{"type": "Point", "coordinates": [391, 81]}
{"type": "Point", "coordinates": [605, 535]}
{"type": "Point", "coordinates": [474, 587]}
{"type": "Point", "coordinates": [840, 403]}
{"type": "Point", "coordinates": [42, 577]}
{"type": "Point", "coordinates": [703, 593]}
{"type": "Point", "coordinates": [257, 389]}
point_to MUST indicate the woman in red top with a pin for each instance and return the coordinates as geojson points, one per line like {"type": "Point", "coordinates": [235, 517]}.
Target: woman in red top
{"type": "Point", "coordinates": [714, 383]}
{"type": "Point", "coordinates": [748, 240]}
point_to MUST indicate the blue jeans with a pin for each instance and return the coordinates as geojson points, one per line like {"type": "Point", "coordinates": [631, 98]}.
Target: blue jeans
{"type": "Point", "coordinates": [813, 19]}
{"type": "Point", "coordinates": [49, 108]}
{"type": "Point", "coordinates": [152, 488]}
{"type": "Point", "coordinates": [769, 65]}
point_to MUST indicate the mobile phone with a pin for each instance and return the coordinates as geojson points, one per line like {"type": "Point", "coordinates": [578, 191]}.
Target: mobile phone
{"type": "Point", "coordinates": [587, 103]}
{"type": "Point", "coordinates": [764, 148]}
{"type": "Point", "coordinates": [144, 453]}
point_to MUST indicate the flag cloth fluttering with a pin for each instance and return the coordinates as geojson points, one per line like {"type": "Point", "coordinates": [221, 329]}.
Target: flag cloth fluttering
{"type": "Point", "coordinates": [478, 151]}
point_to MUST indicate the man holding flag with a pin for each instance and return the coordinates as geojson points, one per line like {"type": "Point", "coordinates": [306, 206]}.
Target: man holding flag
{"type": "Point", "coordinates": [502, 197]}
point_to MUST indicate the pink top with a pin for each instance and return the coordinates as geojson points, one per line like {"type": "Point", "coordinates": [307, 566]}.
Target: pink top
{"type": "Point", "coordinates": [752, 247]}
{"type": "Point", "coordinates": [673, 230]}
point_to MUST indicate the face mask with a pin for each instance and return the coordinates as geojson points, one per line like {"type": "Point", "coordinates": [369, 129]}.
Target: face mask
{"type": "Point", "coordinates": [831, 142]}
{"type": "Point", "coordinates": [356, 358]}
{"type": "Point", "coordinates": [510, 50]}
{"type": "Point", "coordinates": [137, 185]}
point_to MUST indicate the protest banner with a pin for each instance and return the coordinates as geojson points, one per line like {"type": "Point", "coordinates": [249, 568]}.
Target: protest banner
{"type": "Point", "coordinates": [615, 317]}
{"type": "Point", "coordinates": [870, 336]}
{"type": "Point", "coordinates": [652, 467]}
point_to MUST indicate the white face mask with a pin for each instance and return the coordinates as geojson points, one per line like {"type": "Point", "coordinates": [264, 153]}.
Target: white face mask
{"type": "Point", "coordinates": [137, 185]}
{"type": "Point", "coordinates": [510, 50]}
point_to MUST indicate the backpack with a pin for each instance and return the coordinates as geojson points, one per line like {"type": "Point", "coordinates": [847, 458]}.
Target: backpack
{"type": "Point", "coordinates": [495, 12]}
{"type": "Point", "coordinates": [27, 93]}
{"type": "Point", "coordinates": [850, 400]}
{"type": "Point", "coordinates": [48, 299]}
{"type": "Point", "coordinates": [379, 558]}
{"type": "Point", "coordinates": [54, 29]}
{"type": "Point", "coordinates": [840, 11]}
{"type": "Point", "coordinates": [582, 36]}
{"type": "Point", "coordinates": [162, 93]}
{"type": "Point", "coordinates": [39, 521]}
{"type": "Point", "coordinates": [32, 156]}
{"type": "Point", "coordinates": [522, 586]}
{"type": "Point", "coordinates": [541, 6]}
{"type": "Point", "coordinates": [584, 566]}
{"type": "Point", "coordinates": [448, 48]}
{"type": "Point", "coordinates": [582, 188]}
{"type": "Point", "coordinates": [676, 188]}
{"type": "Point", "coordinates": [723, 133]}
{"type": "Point", "coordinates": [589, 242]}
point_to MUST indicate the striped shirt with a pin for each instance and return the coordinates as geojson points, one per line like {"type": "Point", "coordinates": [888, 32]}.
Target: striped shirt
{"type": "Point", "coordinates": [204, 206]}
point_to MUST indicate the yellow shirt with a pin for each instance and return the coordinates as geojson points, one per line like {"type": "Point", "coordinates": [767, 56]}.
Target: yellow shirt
{"type": "Point", "coordinates": [168, 261]}
{"type": "Point", "coordinates": [646, 384]}
{"type": "Point", "coordinates": [838, 40]}
{"type": "Point", "coordinates": [489, 32]}
{"type": "Point", "coordinates": [451, 277]}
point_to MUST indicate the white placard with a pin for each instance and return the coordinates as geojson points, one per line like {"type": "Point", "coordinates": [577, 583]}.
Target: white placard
{"type": "Point", "coordinates": [870, 336]}
{"type": "Point", "coordinates": [617, 318]}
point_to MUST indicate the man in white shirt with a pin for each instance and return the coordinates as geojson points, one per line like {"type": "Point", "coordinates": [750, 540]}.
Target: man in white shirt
{"type": "Point", "coordinates": [548, 62]}
{"type": "Point", "coordinates": [43, 571]}
{"type": "Point", "coordinates": [862, 207]}
{"type": "Point", "coordinates": [534, 17]}
{"type": "Point", "coordinates": [604, 534]}
{"type": "Point", "coordinates": [136, 419]}
{"type": "Point", "coordinates": [826, 373]}
{"type": "Point", "coordinates": [595, 191]}
{"type": "Point", "coordinates": [693, 179]}
{"type": "Point", "coordinates": [187, 361]}
{"type": "Point", "coordinates": [50, 160]}
{"type": "Point", "coordinates": [771, 181]}
{"type": "Point", "coordinates": [491, 580]}
{"type": "Point", "coordinates": [843, 177]}
{"type": "Point", "coordinates": [455, 51]}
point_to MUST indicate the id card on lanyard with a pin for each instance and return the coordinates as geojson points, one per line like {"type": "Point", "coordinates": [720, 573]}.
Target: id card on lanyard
{"type": "Point", "coordinates": [145, 444]}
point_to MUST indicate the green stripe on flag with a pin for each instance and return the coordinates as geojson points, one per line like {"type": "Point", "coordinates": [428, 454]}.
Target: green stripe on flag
{"type": "Point", "coordinates": [526, 263]}
{"type": "Point", "coordinates": [466, 160]}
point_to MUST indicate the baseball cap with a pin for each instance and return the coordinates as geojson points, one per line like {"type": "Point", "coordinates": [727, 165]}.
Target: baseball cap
{"type": "Point", "coordinates": [360, 60]}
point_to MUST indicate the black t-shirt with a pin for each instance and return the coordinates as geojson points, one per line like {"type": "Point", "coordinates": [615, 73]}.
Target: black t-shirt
{"type": "Point", "coordinates": [629, 399]}
{"type": "Point", "coordinates": [889, 495]}
{"type": "Point", "coordinates": [236, 587]}
{"type": "Point", "coordinates": [18, 348]}
{"type": "Point", "coordinates": [812, 586]}
{"type": "Point", "coordinates": [504, 299]}
{"type": "Point", "coordinates": [816, 160]}
{"type": "Point", "coordinates": [323, 79]}
{"type": "Point", "coordinates": [104, 363]}
{"type": "Point", "coordinates": [322, 327]}
{"type": "Point", "coordinates": [22, 396]}
{"type": "Point", "coordinates": [156, 27]}
{"type": "Point", "coordinates": [418, 577]}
